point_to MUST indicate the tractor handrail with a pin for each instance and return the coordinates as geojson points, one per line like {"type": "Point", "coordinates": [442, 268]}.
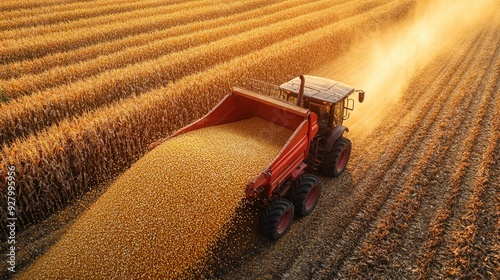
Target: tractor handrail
{"type": "Point", "coordinates": [265, 88]}
{"type": "Point", "coordinates": [276, 102]}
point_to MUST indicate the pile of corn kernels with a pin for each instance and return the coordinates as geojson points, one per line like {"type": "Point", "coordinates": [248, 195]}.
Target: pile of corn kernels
{"type": "Point", "coordinates": [161, 217]}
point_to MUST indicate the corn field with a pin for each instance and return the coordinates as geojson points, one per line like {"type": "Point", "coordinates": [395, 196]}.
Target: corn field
{"type": "Point", "coordinates": [87, 86]}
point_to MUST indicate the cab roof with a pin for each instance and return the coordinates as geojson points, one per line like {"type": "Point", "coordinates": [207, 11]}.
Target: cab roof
{"type": "Point", "coordinates": [319, 88]}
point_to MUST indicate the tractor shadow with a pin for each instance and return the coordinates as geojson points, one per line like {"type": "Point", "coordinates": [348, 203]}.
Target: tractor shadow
{"type": "Point", "coordinates": [242, 242]}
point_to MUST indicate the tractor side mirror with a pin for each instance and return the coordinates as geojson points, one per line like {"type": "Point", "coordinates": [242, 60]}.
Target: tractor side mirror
{"type": "Point", "coordinates": [361, 96]}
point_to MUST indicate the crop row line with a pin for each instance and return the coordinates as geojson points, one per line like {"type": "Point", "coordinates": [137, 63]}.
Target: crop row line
{"type": "Point", "coordinates": [82, 25]}
{"type": "Point", "coordinates": [9, 5]}
{"type": "Point", "coordinates": [29, 48]}
{"type": "Point", "coordinates": [27, 84]}
{"type": "Point", "coordinates": [496, 234]}
{"type": "Point", "coordinates": [385, 239]}
{"type": "Point", "coordinates": [437, 225]}
{"type": "Point", "coordinates": [35, 112]}
{"type": "Point", "coordinates": [38, 65]}
{"type": "Point", "coordinates": [24, 18]}
{"type": "Point", "coordinates": [372, 199]}
{"type": "Point", "coordinates": [366, 140]}
{"type": "Point", "coordinates": [464, 237]}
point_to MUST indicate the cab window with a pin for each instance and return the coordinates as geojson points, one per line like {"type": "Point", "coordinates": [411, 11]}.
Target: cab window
{"type": "Point", "coordinates": [338, 114]}
{"type": "Point", "coordinates": [323, 112]}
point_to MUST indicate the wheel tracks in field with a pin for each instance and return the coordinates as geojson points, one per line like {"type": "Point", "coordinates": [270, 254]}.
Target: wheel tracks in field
{"type": "Point", "coordinates": [464, 234]}
{"type": "Point", "coordinates": [380, 199]}
{"type": "Point", "coordinates": [30, 18]}
{"type": "Point", "coordinates": [32, 113]}
{"type": "Point", "coordinates": [108, 140]}
{"type": "Point", "coordinates": [33, 47]}
{"type": "Point", "coordinates": [38, 65]}
{"type": "Point", "coordinates": [364, 160]}
{"type": "Point", "coordinates": [151, 10]}
{"type": "Point", "coordinates": [371, 199]}
{"type": "Point", "coordinates": [436, 227]}
{"type": "Point", "coordinates": [495, 257]}
{"type": "Point", "coordinates": [403, 258]}
{"type": "Point", "coordinates": [27, 84]}
{"type": "Point", "coordinates": [482, 260]}
{"type": "Point", "coordinates": [495, 179]}
{"type": "Point", "coordinates": [381, 243]}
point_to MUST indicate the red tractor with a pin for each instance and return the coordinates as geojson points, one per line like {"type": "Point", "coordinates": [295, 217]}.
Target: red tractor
{"type": "Point", "coordinates": [314, 108]}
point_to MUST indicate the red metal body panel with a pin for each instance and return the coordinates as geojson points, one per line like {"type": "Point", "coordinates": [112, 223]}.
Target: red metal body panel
{"type": "Point", "coordinates": [242, 104]}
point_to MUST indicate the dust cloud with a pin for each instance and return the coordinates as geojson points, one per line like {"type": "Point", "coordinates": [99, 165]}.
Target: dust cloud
{"type": "Point", "coordinates": [384, 63]}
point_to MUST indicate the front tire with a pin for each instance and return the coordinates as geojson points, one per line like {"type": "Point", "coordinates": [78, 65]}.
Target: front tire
{"type": "Point", "coordinates": [336, 160]}
{"type": "Point", "coordinates": [277, 218]}
{"type": "Point", "coordinates": [305, 194]}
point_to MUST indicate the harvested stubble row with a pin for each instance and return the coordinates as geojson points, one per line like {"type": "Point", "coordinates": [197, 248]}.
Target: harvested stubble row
{"type": "Point", "coordinates": [385, 237]}
{"type": "Point", "coordinates": [28, 48]}
{"type": "Point", "coordinates": [162, 215]}
{"type": "Point", "coordinates": [464, 236]}
{"type": "Point", "coordinates": [61, 162]}
{"type": "Point", "coordinates": [371, 198]}
{"type": "Point", "coordinates": [27, 84]}
{"type": "Point", "coordinates": [66, 13]}
{"type": "Point", "coordinates": [38, 65]}
{"type": "Point", "coordinates": [443, 213]}
{"type": "Point", "coordinates": [496, 234]}
{"type": "Point", "coordinates": [32, 113]}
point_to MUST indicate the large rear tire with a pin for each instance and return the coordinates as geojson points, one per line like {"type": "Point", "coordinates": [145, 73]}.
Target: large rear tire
{"type": "Point", "coordinates": [336, 160]}
{"type": "Point", "coordinates": [305, 194]}
{"type": "Point", "coordinates": [277, 218]}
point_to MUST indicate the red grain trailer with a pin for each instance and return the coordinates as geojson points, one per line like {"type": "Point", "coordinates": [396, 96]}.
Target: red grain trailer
{"type": "Point", "coordinates": [286, 187]}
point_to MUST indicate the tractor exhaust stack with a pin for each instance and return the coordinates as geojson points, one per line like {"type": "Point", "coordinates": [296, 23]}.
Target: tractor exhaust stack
{"type": "Point", "coordinates": [301, 91]}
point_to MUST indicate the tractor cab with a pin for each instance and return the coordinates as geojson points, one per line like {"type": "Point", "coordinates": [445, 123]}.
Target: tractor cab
{"type": "Point", "coordinates": [325, 97]}
{"type": "Point", "coordinates": [329, 150]}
